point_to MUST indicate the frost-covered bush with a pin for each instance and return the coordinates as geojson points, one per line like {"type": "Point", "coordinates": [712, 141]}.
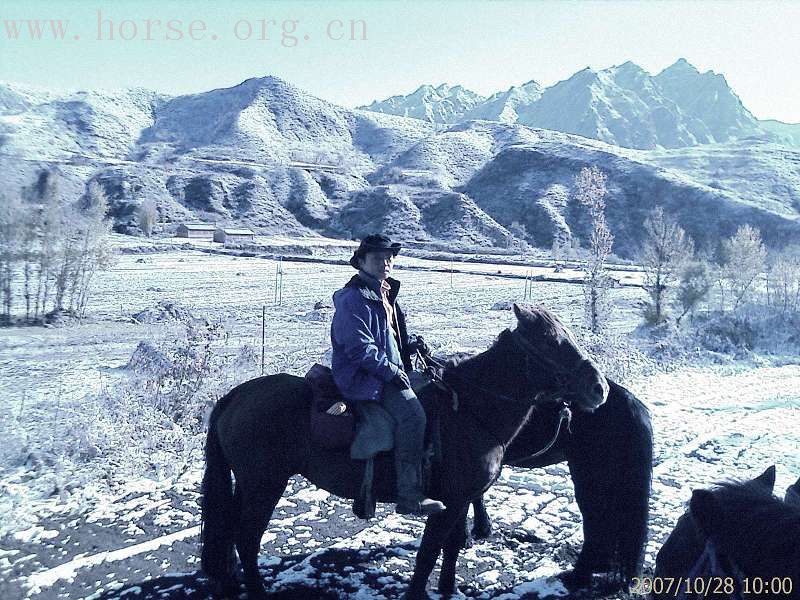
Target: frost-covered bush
{"type": "Point", "coordinates": [726, 333]}
{"type": "Point", "coordinates": [694, 285]}
{"type": "Point", "coordinates": [757, 328]}
{"type": "Point", "coordinates": [182, 379]}
{"type": "Point", "coordinates": [783, 280]}
{"type": "Point", "coordinates": [590, 191]}
{"type": "Point", "coordinates": [744, 256]}
{"type": "Point", "coordinates": [619, 358]}
{"type": "Point", "coordinates": [148, 421]}
{"type": "Point", "coordinates": [665, 251]}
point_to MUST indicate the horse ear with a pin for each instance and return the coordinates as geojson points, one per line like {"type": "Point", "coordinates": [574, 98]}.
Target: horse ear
{"type": "Point", "coordinates": [704, 507]}
{"type": "Point", "coordinates": [793, 494]}
{"type": "Point", "coordinates": [517, 311]}
{"type": "Point", "coordinates": [767, 478]}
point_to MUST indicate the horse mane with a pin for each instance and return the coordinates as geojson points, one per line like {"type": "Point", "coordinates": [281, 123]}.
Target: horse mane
{"type": "Point", "coordinates": [543, 320]}
{"type": "Point", "coordinates": [536, 321]}
{"type": "Point", "coordinates": [763, 524]}
{"type": "Point", "coordinates": [462, 360]}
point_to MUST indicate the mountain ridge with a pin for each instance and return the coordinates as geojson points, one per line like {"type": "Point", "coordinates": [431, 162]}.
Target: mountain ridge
{"type": "Point", "coordinates": [622, 105]}
{"type": "Point", "coordinates": [476, 182]}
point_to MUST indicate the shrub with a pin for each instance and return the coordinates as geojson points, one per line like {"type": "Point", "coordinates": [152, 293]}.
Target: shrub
{"type": "Point", "coordinates": [696, 279]}
{"type": "Point", "coordinates": [146, 216]}
{"type": "Point", "coordinates": [783, 280]}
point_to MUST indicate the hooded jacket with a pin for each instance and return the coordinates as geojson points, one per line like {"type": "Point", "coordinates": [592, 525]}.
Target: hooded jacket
{"type": "Point", "coordinates": [361, 362]}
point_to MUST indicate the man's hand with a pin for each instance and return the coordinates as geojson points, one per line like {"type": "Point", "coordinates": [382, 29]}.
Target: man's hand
{"type": "Point", "coordinates": [418, 345]}
{"type": "Point", "coordinates": [401, 380]}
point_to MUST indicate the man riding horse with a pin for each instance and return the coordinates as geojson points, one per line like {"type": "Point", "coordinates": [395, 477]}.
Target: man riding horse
{"type": "Point", "coordinates": [371, 352]}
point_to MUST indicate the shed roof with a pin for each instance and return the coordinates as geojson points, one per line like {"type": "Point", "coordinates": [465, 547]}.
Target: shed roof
{"type": "Point", "coordinates": [237, 231]}
{"type": "Point", "coordinates": [200, 226]}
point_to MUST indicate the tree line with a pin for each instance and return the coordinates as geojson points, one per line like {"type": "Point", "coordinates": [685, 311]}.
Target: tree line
{"type": "Point", "coordinates": [50, 251]}
{"type": "Point", "coordinates": [678, 278]}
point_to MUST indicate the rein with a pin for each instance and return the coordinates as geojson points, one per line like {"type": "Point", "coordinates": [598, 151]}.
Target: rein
{"type": "Point", "coordinates": [565, 414]}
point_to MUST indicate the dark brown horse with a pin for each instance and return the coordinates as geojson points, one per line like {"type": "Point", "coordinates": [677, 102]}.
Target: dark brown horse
{"type": "Point", "coordinates": [610, 456]}
{"type": "Point", "coordinates": [260, 432]}
{"type": "Point", "coordinates": [736, 541]}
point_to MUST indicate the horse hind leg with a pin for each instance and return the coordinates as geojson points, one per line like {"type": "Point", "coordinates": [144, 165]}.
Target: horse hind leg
{"type": "Point", "coordinates": [257, 505]}
{"type": "Point", "coordinates": [481, 523]}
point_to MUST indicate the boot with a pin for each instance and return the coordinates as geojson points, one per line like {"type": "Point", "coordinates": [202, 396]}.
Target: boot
{"type": "Point", "coordinates": [410, 498]}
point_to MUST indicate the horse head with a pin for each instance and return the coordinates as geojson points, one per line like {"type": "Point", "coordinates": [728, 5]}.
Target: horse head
{"type": "Point", "coordinates": [556, 360]}
{"type": "Point", "coordinates": [736, 529]}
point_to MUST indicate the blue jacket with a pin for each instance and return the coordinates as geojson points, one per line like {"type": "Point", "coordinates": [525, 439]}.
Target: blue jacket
{"type": "Point", "coordinates": [362, 361]}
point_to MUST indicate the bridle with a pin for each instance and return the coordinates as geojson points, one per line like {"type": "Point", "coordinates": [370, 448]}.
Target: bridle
{"type": "Point", "coordinates": [561, 374]}
{"type": "Point", "coordinates": [530, 351]}
{"type": "Point", "coordinates": [708, 567]}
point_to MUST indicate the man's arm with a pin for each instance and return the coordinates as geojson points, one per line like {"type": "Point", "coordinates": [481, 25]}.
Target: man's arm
{"type": "Point", "coordinates": [352, 332]}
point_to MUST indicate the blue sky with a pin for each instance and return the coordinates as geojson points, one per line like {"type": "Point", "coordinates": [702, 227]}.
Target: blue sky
{"type": "Point", "coordinates": [485, 46]}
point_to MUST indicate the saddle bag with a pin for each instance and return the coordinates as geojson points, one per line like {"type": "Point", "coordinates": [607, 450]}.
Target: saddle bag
{"type": "Point", "coordinates": [333, 432]}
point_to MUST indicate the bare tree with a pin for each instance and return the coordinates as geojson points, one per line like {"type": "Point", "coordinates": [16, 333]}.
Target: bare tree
{"type": "Point", "coordinates": [590, 190]}
{"type": "Point", "coordinates": [560, 246]}
{"type": "Point", "coordinates": [66, 263]}
{"type": "Point", "coordinates": [783, 280]}
{"type": "Point", "coordinates": [146, 216]}
{"type": "Point", "coordinates": [96, 252]}
{"type": "Point", "coordinates": [28, 250]}
{"type": "Point", "coordinates": [666, 249]}
{"type": "Point", "coordinates": [743, 261]}
{"type": "Point", "coordinates": [9, 238]}
{"type": "Point", "coordinates": [519, 232]}
{"type": "Point", "coordinates": [49, 225]}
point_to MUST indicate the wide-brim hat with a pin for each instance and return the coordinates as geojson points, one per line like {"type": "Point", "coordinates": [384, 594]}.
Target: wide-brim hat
{"type": "Point", "coordinates": [374, 243]}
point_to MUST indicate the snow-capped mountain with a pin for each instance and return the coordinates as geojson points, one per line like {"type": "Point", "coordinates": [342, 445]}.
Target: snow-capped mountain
{"type": "Point", "coordinates": [442, 104]}
{"type": "Point", "coordinates": [505, 106]}
{"type": "Point", "coordinates": [622, 105]}
{"type": "Point", "coordinates": [707, 102]}
{"type": "Point", "coordinates": [234, 156]}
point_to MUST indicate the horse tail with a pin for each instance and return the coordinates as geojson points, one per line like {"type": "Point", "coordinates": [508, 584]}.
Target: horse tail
{"type": "Point", "coordinates": [633, 502]}
{"type": "Point", "coordinates": [218, 513]}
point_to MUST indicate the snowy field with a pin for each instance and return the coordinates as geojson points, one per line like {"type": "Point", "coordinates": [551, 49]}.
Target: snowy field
{"type": "Point", "coordinates": [72, 532]}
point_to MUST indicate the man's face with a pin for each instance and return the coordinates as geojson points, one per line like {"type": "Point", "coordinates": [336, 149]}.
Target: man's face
{"type": "Point", "coordinates": [378, 264]}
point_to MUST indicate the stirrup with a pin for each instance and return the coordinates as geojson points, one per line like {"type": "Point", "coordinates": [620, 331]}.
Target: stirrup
{"type": "Point", "coordinates": [423, 508]}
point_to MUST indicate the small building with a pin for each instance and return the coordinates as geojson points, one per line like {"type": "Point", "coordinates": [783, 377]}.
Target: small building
{"type": "Point", "coordinates": [196, 231]}
{"type": "Point", "coordinates": [233, 236]}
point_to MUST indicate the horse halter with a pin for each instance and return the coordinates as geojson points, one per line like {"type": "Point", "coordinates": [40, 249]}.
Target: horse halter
{"type": "Point", "coordinates": [709, 565]}
{"type": "Point", "coordinates": [561, 374]}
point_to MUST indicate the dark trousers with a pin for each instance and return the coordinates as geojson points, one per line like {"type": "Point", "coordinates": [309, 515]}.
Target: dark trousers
{"type": "Point", "coordinates": [409, 430]}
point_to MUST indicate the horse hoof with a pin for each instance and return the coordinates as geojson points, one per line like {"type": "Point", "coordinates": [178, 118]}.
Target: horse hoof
{"type": "Point", "coordinates": [574, 579]}
{"type": "Point", "coordinates": [222, 589]}
{"type": "Point", "coordinates": [413, 594]}
{"type": "Point", "coordinates": [481, 533]}
{"type": "Point", "coordinates": [256, 592]}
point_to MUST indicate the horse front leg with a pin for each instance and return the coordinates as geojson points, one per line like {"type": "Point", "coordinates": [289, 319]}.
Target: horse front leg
{"type": "Point", "coordinates": [452, 547]}
{"type": "Point", "coordinates": [437, 530]}
{"type": "Point", "coordinates": [481, 524]}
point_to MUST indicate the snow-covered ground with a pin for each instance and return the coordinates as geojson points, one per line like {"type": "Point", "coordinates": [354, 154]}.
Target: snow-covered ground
{"type": "Point", "coordinates": [74, 532]}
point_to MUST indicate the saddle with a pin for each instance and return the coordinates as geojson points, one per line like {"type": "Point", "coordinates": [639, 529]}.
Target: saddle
{"type": "Point", "coordinates": [366, 429]}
